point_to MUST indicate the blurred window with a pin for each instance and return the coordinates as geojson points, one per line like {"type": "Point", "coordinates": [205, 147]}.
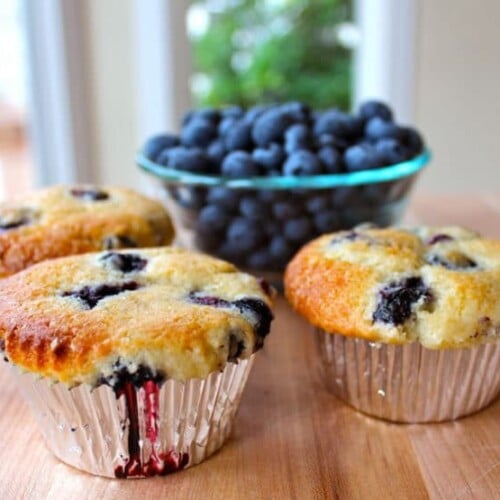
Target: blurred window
{"type": "Point", "coordinates": [248, 51]}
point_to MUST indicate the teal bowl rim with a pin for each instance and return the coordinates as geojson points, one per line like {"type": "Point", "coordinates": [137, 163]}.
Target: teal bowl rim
{"type": "Point", "coordinates": [383, 174]}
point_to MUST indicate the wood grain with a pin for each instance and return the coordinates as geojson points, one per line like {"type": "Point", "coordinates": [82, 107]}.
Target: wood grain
{"type": "Point", "coordinates": [292, 439]}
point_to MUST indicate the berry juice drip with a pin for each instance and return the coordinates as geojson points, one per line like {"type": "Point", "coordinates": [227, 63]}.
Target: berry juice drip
{"type": "Point", "coordinates": [159, 464]}
{"type": "Point", "coordinates": [133, 466]}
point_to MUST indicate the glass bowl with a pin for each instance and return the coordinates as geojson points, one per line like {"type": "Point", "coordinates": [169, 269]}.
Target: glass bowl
{"type": "Point", "coordinates": [258, 223]}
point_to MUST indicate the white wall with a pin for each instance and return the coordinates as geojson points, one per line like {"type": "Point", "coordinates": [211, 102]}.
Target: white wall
{"type": "Point", "coordinates": [457, 102]}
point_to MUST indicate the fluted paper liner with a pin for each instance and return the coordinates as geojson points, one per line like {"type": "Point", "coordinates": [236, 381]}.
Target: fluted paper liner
{"type": "Point", "coordinates": [409, 383]}
{"type": "Point", "coordinates": [178, 424]}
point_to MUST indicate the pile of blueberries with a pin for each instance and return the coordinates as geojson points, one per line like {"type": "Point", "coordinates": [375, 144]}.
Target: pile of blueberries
{"type": "Point", "coordinates": [263, 228]}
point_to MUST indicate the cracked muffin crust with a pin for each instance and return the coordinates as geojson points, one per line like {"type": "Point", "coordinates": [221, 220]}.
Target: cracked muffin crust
{"type": "Point", "coordinates": [68, 220]}
{"type": "Point", "coordinates": [439, 286]}
{"type": "Point", "coordinates": [158, 313]}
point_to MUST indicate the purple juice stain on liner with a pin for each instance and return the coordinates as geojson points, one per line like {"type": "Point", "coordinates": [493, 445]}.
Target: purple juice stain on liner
{"type": "Point", "coordinates": [144, 383]}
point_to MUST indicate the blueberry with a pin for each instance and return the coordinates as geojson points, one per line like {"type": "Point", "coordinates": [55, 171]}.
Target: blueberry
{"type": "Point", "coordinates": [270, 159]}
{"type": "Point", "coordinates": [454, 262]}
{"type": "Point", "coordinates": [339, 124]}
{"type": "Point", "coordinates": [318, 203]}
{"type": "Point", "coordinates": [412, 140]}
{"type": "Point", "coordinates": [125, 262]}
{"type": "Point", "coordinates": [377, 128]}
{"type": "Point", "coordinates": [284, 210]}
{"type": "Point", "coordinates": [14, 220]}
{"type": "Point", "coordinates": [281, 249]}
{"type": "Point", "coordinates": [213, 218]}
{"type": "Point", "coordinates": [297, 111]}
{"type": "Point", "coordinates": [255, 112]}
{"type": "Point", "coordinates": [270, 127]}
{"type": "Point", "coordinates": [271, 196]}
{"type": "Point", "coordinates": [252, 208]}
{"type": "Point", "coordinates": [224, 197]}
{"type": "Point", "coordinates": [198, 133]}
{"type": "Point", "coordinates": [188, 116]}
{"type": "Point", "coordinates": [92, 295]}
{"type": "Point", "coordinates": [302, 163]}
{"type": "Point", "coordinates": [261, 315]}
{"type": "Point", "coordinates": [298, 230]}
{"type": "Point", "coordinates": [297, 137]}
{"type": "Point", "coordinates": [239, 164]}
{"type": "Point", "coordinates": [232, 112]}
{"type": "Point", "coordinates": [225, 125]}
{"type": "Point", "coordinates": [239, 136]}
{"type": "Point", "coordinates": [439, 238]}
{"type": "Point", "coordinates": [89, 194]}
{"type": "Point", "coordinates": [272, 227]}
{"type": "Point", "coordinates": [215, 153]}
{"type": "Point", "coordinates": [235, 348]}
{"type": "Point", "coordinates": [156, 144]}
{"type": "Point", "coordinates": [376, 194]}
{"type": "Point", "coordinates": [209, 114]}
{"type": "Point", "coordinates": [361, 157]}
{"type": "Point", "coordinates": [331, 159]}
{"type": "Point", "coordinates": [333, 141]}
{"type": "Point", "coordinates": [260, 259]}
{"type": "Point", "coordinates": [343, 196]}
{"type": "Point", "coordinates": [191, 160]}
{"type": "Point", "coordinates": [327, 221]}
{"type": "Point", "coordinates": [122, 375]}
{"type": "Point", "coordinates": [245, 234]}
{"type": "Point", "coordinates": [390, 151]}
{"type": "Point", "coordinates": [370, 109]}
{"type": "Point", "coordinates": [395, 301]}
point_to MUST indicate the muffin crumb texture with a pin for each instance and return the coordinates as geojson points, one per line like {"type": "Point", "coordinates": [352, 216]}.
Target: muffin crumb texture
{"type": "Point", "coordinates": [132, 315]}
{"type": "Point", "coordinates": [436, 285]}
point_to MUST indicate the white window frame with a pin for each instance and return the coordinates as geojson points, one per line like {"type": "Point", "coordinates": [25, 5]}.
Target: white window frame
{"type": "Point", "coordinates": [59, 97]}
{"type": "Point", "coordinates": [163, 64]}
{"type": "Point", "coordinates": [386, 59]}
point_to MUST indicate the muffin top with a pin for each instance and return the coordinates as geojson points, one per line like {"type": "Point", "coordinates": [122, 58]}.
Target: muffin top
{"type": "Point", "coordinates": [436, 285]}
{"type": "Point", "coordinates": [160, 313]}
{"type": "Point", "coordinates": [67, 220]}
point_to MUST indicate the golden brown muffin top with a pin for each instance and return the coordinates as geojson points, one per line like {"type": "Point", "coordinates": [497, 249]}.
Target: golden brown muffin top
{"type": "Point", "coordinates": [439, 286]}
{"type": "Point", "coordinates": [66, 220]}
{"type": "Point", "coordinates": [166, 311]}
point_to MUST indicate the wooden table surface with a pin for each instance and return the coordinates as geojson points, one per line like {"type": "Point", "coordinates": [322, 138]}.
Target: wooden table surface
{"type": "Point", "coordinates": [292, 439]}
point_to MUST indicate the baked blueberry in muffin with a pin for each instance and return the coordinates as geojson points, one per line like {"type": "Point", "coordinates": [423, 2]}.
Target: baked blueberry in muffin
{"type": "Point", "coordinates": [67, 220]}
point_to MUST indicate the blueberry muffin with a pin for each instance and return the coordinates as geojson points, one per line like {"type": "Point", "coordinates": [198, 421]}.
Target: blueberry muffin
{"type": "Point", "coordinates": [398, 297]}
{"type": "Point", "coordinates": [67, 220]}
{"type": "Point", "coordinates": [161, 339]}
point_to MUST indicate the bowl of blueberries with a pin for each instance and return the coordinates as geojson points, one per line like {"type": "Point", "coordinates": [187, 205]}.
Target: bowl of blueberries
{"type": "Point", "coordinates": [252, 186]}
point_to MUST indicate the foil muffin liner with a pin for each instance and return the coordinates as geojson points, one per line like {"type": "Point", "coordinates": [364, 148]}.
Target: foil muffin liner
{"type": "Point", "coordinates": [137, 431]}
{"type": "Point", "coordinates": [409, 383]}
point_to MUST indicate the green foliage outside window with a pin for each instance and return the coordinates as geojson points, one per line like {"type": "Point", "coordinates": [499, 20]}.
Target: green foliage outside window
{"type": "Point", "coordinates": [276, 50]}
